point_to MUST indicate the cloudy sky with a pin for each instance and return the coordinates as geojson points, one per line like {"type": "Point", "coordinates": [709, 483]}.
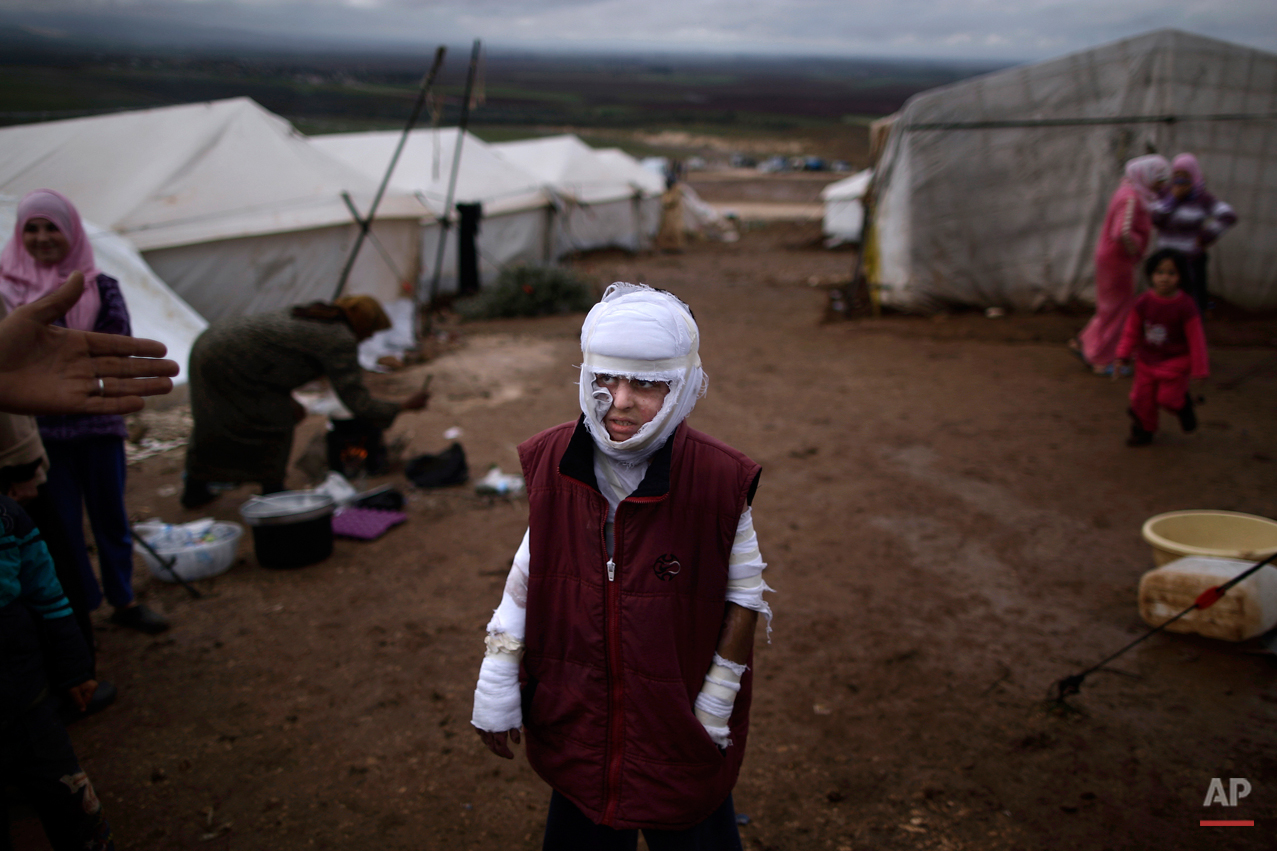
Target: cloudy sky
{"type": "Point", "coordinates": [963, 29]}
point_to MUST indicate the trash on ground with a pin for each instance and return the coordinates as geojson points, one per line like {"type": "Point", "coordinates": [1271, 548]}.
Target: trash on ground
{"type": "Point", "coordinates": [386, 498]}
{"type": "Point", "coordinates": [449, 467]}
{"type": "Point", "coordinates": [1246, 611]}
{"type": "Point", "coordinates": [502, 484]}
{"type": "Point", "coordinates": [337, 487]}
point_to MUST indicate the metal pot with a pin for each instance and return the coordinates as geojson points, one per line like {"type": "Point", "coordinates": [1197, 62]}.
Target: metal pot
{"type": "Point", "coordinates": [290, 529]}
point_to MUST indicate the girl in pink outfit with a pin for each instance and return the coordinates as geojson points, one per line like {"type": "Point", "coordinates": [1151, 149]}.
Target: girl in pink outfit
{"type": "Point", "coordinates": [1127, 226]}
{"type": "Point", "coordinates": [1164, 331]}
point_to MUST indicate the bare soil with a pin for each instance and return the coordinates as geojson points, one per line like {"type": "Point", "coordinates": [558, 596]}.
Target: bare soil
{"type": "Point", "coordinates": [952, 524]}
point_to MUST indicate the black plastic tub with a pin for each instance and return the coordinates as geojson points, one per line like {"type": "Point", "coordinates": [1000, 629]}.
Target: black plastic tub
{"type": "Point", "coordinates": [290, 529]}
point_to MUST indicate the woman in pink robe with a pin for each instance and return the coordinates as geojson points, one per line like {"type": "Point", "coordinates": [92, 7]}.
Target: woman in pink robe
{"type": "Point", "coordinates": [1127, 226]}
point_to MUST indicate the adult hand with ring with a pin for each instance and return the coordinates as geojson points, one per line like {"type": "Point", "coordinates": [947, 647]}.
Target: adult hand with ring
{"type": "Point", "coordinates": [43, 366]}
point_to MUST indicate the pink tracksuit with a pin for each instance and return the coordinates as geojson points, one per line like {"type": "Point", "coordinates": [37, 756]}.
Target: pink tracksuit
{"type": "Point", "coordinates": [1170, 348]}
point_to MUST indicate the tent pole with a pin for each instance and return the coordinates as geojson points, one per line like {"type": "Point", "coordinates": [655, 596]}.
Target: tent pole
{"type": "Point", "coordinates": [366, 223]}
{"type": "Point", "coordinates": [452, 179]}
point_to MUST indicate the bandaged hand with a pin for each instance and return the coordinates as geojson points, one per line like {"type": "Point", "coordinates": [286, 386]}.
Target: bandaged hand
{"type": "Point", "coordinates": [713, 707]}
{"type": "Point", "coordinates": [497, 701]}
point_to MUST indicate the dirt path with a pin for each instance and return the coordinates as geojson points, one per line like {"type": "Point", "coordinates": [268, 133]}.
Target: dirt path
{"type": "Point", "coordinates": [952, 524]}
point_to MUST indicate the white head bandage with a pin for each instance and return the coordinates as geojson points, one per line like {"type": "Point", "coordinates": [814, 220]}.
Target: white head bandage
{"type": "Point", "coordinates": [640, 333]}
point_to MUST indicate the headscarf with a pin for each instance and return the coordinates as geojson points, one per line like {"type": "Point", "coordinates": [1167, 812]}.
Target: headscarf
{"type": "Point", "coordinates": [23, 279]}
{"type": "Point", "coordinates": [637, 332]}
{"type": "Point", "coordinates": [364, 313]}
{"type": "Point", "coordinates": [1188, 163]}
{"type": "Point", "coordinates": [1144, 173]}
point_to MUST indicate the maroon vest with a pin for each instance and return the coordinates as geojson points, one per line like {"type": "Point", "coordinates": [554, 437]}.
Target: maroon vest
{"type": "Point", "coordinates": [613, 666]}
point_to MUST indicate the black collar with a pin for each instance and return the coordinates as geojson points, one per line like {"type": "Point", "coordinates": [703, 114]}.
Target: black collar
{"type": "Point", "coordinates": [578, 463]}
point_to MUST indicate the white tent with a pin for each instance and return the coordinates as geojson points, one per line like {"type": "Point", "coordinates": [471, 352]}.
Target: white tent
{"type": "Point", "coordinates": [517, 212]}
{"type": "Point", "coordinates": [602, 202]}
{"type": "Point", "coordinates": [844, 208]}
{"type": "Point", "coordinates": [228, 203]}
{"type": "Point", "coordinates": [991, 191]}
{"type": "Point", "coordinates": [155, 311]}
{"type": "Point", "coordinates": [648, 181]}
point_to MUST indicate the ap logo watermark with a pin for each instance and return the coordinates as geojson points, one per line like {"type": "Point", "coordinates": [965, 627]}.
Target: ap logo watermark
{"type": "Point", "coordinates": [1238, 788]}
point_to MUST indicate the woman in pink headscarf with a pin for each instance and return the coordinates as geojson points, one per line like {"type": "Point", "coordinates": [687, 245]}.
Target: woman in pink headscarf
{"type": "Point", "coordinates": [48, 245]}
{"type": "Point", "coordinates": [1122, 243]}
{"type": "Point", "coordinates": [85, 451]}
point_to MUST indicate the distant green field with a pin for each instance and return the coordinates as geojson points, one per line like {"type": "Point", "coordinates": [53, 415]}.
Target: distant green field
{"type": "Point", "coordinates": [610, 98]}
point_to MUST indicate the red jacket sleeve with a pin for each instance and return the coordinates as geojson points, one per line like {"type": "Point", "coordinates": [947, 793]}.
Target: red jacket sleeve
{"type": "Point", "coordinates": [1131, 333]}
{"type": "Point", "coordinates": [1199, 362]}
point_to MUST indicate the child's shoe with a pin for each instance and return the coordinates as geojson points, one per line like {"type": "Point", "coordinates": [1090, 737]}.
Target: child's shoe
{"type": "Point", "coordinates": [1140, 436]}
{"type": "Point", "coordinates": [1187, 415]}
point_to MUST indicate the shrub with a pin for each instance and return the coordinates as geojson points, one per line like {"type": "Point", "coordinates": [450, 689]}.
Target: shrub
{"type": "Point", "coordinates": [529, 291]}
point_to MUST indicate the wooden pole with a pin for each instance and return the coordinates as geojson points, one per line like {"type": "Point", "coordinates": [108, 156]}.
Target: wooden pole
{"type": "Point", "coordinates": [366, 223]}
{"type": "Point", "coordinates": [452, 180]}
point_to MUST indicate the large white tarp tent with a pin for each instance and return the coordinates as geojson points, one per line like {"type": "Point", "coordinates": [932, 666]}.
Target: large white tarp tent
{"type": "Point", "coordinates": [517, 211]}
{"type": "Point", "coordinates": [648, 181]}
{"type": "Point", "coordinates": [844, 215]}
{"type": "Point", "coordinates": [991, 192]}
{"type": "Point", "coordinates": [155, 311]}
{"type": "Point", "coordinates": [230, 205]}
{"type": "Point", "coordinates": [601, 201]}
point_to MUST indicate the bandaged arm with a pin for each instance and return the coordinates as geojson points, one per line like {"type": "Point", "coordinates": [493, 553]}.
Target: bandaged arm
{"type": "Point", "coordinates": [745, 587]}
{"type": "Point", "coordinates": [497, 706]}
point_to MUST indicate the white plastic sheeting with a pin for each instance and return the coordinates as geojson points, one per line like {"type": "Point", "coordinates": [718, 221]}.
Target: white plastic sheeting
{"type": "Point", "coordinates": [703, 220]}
{"type": "Point", "coordinates": [425, 167]}
{"type": "Point", "coordinates": [197, 188]}
{"type": "Point", "coordinates": [601, 201]}
{"type": "Point", "coordinates": [844, 208]}
{"type": "Point", "coordinates": [238, 277]}
{"type": "Point", "coordinates": [155, 311]}
{"type": "Point", "coordinates": [517, 211]}
{"type": "Point", "coordinates": [991, 192]}
{"type": "Point", "coordinates": [635, 173]}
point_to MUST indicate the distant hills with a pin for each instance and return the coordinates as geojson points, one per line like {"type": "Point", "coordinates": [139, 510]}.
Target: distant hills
{"type": "Point", "coordinates": [64, 65]}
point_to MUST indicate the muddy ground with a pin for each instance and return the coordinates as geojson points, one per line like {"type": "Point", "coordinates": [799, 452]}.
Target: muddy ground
{"type": "Point", "coordinates": [951, 521]}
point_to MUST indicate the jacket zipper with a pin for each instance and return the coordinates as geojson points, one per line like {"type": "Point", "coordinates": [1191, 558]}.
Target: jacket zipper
{"type": "Point", "coordinates": [616, 686]}
{"type": "Point", "coordinates": [615, 746]}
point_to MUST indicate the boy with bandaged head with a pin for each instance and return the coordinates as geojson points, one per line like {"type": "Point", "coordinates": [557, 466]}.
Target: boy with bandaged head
{"type": "Point", "coordinates": [623, 642]}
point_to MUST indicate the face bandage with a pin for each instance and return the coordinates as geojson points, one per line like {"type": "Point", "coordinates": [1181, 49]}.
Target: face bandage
{"type": "Point", "coordinates": [639, 333]}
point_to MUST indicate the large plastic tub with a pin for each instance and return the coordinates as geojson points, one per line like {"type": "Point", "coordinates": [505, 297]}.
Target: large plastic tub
{"type": "Point", "coordinates": [1215, 534]}
{"type": "Point", "coordinates": [211, 554]}
{"type": "Point", "coordinates": [1248, 609]}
